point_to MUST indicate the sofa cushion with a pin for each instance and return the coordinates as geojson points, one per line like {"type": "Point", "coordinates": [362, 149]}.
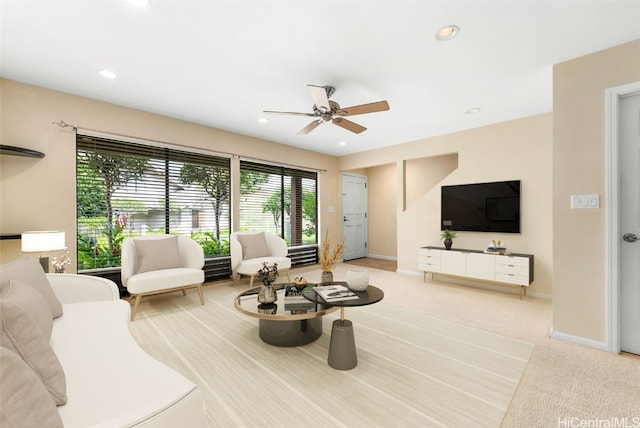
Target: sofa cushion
{"type": "Point", "coordinates": [24, 400]}
{"type": "Point", "coordinates": [28, 271]}
{"type": "Point", "coordinates": [164, 280]}
{"type": "Point", "coordinates": [251, 267]}
{"type": "Point", "coordinates": [18, 296]}
{"type": "Point", "coordinates": [157, 254]}
{"type": "Point", "coordinates": [253, 245]}
{"type": "Point", "coordinates": [20, 332]}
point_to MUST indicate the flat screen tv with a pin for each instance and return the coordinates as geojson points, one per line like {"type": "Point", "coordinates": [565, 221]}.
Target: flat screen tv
{"type": "Point", "coordinates": [481, 207]}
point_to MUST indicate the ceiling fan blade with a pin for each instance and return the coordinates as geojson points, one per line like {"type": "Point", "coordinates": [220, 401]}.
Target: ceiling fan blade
{"type": "Point", "coordinates": [289, 113]}
{"type": "Point", "coordinates": [363, 108]}
{"type": "Point", "coordinates": [310, 127]}
{"type": "Point", "coordinates": [319, 95]}
{"type": "Point", "coordinates": [348, 125]}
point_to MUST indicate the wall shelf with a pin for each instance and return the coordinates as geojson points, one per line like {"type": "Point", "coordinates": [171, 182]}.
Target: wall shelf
{"type": "Point", "coordinates": [20, 151]}
{"type": "Point", "coordinates": [4, 236]}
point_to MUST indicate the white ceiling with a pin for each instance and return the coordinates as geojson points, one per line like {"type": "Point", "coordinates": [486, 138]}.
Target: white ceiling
{"type": "Point", "coordinates": [221, 63]}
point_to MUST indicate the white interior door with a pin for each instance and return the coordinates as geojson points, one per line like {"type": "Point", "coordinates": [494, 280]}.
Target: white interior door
{"type": "Point", "coordinates": [629, 262]}
{"type": "Point", "coordinates": [354, 216]}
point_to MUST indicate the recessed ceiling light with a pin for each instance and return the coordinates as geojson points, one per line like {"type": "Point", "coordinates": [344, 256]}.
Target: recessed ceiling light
{"type": "Point", "coordinates": [107, 73]}
{"type": "Point", "coordinates": [263, 120]}
{"type": "Point", "coordinates": [139, 3]}
{"type": "Point", "coordinates": [447, 33]}
{"type": "Point", "coordinates": [473, 110]}
{"type": "Point", "coordinates": [342, 143]}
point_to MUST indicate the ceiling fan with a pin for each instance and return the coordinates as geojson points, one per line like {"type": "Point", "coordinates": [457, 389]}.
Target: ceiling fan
{"type": "Point", "coordinates": [325, 110]}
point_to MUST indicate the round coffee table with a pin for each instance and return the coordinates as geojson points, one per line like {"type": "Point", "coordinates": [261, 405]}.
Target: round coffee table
{"type": "Point", "coordinates": [281, 324]}
{"type": "Point", "coordinates": [342, 348]}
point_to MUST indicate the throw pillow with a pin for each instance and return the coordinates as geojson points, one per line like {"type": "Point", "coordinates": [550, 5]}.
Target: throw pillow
{"type": "Point", "coordinates": [254, 245]}
{"type": "Point", "coordinates": [24, 400]}
{"type": "Point", "coordinates": [157, 254]}
{"type": "Point", "coordinates": [20, 333]}
{"type": "Point", "coordinates": [20, 297]}
{"type": "Point", "coordinates": [28, 271]}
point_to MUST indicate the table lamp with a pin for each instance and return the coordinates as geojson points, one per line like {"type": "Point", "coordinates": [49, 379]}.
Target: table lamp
{"type": "Point", "coordinates": [42, 241]}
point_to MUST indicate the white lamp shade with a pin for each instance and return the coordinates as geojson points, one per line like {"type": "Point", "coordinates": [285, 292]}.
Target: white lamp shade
{"type": "Point", "coordinates": [40, 241]}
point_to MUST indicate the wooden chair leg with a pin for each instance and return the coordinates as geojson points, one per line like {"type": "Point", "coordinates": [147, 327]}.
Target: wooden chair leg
{"type": "Point", "coordinates": [234, 278]}
{"type": "Point", "coordinates": [201, 294]}
{"type": "Point", "coordinates": [135, 306]}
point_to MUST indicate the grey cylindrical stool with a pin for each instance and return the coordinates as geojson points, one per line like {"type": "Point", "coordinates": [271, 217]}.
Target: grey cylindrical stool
{"type": "Point", "coordinates": [342, 348]}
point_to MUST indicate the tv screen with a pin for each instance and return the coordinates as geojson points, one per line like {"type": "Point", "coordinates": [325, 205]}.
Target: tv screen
{"type": "Point", "coordinates": [481, 207]}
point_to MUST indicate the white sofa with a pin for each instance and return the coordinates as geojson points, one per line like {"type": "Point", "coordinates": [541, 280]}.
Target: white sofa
{"type": "Point", "coordinates": [110, 380]}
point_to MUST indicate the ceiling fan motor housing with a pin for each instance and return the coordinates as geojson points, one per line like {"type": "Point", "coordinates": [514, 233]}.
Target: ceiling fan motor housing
{"type": "Point", "coordinates": [327, 115]}
{"type": "Point", "coordinates": [329, 108]}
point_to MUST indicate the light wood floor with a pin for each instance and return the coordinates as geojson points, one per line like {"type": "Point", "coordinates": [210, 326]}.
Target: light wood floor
{"type": "Point", "coordinates": [374, 263]}
{"type": "Point", "coordinates": [561, 380]}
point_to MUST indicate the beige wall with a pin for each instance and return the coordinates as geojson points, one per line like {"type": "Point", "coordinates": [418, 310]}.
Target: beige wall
{"type": "Point", "coordinates": [555, 155]}
{"type": "Point", "coordinates": [382, 211]}
{"type": "Point", "coordinates": [39, 194]}
{"type": "Point", "coordinates": [579, 246]}
{"type": "Point", "coordinates": [515, 150]}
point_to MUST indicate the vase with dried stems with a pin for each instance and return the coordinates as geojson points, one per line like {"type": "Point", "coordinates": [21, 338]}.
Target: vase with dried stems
{"type": "Point", "coordinates": [328, 258]}
{"type": "Point", "coordinates": [267, 274]}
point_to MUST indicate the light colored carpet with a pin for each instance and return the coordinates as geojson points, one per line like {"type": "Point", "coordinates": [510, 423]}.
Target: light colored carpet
{"type": "Point", "coordinates": [414, 370]}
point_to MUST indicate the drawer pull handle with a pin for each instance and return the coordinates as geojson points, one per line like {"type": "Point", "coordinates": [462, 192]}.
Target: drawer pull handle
{"type": "Point", "coordinates": [511, 265]}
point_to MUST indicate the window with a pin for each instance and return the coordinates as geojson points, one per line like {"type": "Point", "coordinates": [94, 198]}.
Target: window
{"type": "Point", "coordinates": [279, 200]}
{"type": "Point", "coordinates": [129, 189]}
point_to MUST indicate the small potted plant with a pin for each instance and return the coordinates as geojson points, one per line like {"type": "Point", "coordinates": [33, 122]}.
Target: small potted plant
{"type": "Point", "coordinates": [447, 236]}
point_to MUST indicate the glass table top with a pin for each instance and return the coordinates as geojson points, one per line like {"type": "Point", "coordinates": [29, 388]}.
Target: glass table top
{"type": "Point", "coordinates": [247, 303]}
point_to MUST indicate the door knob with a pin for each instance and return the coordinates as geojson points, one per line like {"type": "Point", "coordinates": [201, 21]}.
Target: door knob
{"type": "Point", "coordinates": [344, 218]}
{"type": "Point", "coordinates": [630, 237]}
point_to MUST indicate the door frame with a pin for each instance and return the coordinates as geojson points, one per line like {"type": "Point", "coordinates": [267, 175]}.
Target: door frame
{"type": "Point", "coordinates": [612, 106]}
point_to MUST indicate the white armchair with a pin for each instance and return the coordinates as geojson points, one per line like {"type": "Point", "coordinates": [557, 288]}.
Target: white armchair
{"type": "Point", "coordinates": [250, 249]}
{"type": "Point", "coordinates": [154, 264]}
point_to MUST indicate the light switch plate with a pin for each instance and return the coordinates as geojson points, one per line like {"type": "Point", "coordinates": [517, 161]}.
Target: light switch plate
{"type": "Point", "coordinates": [585, 201]}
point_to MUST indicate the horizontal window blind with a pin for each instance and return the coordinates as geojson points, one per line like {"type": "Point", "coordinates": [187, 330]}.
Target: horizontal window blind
{"type": "Point", "coordinates": [129, 189]}
{"type": "Point", "coordinates": [279, 199]}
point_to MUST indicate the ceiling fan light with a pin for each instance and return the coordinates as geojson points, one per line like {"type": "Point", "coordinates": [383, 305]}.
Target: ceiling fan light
{"type": "Point", "coordinates": [447, 33]}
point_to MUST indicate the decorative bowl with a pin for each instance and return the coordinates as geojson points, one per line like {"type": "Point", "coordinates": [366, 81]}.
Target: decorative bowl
{"type": "Point", "coordinates": [357, 279]}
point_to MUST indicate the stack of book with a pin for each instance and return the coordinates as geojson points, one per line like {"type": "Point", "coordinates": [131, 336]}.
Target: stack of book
{"type": "Point", "coordinates": [496, 248]}
{"type": "Point", "coordinates": [295, 301]}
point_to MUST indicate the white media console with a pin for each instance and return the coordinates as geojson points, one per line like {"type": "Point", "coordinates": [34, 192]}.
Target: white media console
{"type": "Point", "coordinates": [508, 269]}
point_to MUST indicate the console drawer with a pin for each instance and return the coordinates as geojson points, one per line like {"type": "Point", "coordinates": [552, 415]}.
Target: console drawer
{"type": "Point", "coordinates": [513, 278]}
{"type": "Point", "coordinates": [513, 270]}
{"type": "Point", "coordinates": [429, 260]}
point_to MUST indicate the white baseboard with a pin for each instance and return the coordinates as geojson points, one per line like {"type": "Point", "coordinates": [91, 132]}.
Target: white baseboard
{"type": "Point", "coordinates": [376, 256]}
{"type": "Point", "coordinates": [578, 340]}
